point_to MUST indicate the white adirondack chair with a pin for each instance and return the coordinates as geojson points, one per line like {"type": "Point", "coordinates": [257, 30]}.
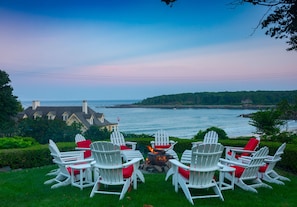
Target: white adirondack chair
{"type": "Point", "coordinates": [69, 155]}
{"type": "Point", "coordinates": [233, 153]}
{"type": "Point", "coordinates": [66, 156]}
{"type": "Point", "coordinates": [127, 153]}
{"type": "Point", "coordinates": [246, 170]}
{"type": "Point", "coordinates": [268, 173]}
{"type": "Point", "coordinates": [63, 175]}
{"type": "Point", "coordinates": [79, 138]}
{"type": "Point", "coordinates": [83, 144]}
{"type": "Point", "coordinates": [200, 173]}
{"type": "Point", "coordinates": [117, 138]}
{"type": "Point", "coordinates": [210, 137]}
{"type": "Point", "coordinates": [162, 142]}
{"type": "Point", "coordinates": [111, 169]}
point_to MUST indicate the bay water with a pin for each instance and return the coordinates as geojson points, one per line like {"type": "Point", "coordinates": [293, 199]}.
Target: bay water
{"type": "Point", "coordinates": [182, 123]}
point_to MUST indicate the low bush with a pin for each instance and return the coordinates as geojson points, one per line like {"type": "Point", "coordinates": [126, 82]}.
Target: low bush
{"type": "Point", "coordinates": [17, 142]}
{"type": "Point", "coordinates": [221, 133]}
{"type": "Point", "coordinates": [35, 156]}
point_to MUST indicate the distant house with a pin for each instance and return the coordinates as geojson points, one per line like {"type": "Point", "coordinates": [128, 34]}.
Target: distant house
{"type": "Point", "coordinates": [70, 114]}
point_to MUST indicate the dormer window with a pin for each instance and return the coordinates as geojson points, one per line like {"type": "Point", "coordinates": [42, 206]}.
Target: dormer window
{"type": "Point", "coordinates": [37, 114]}
{"type": "Point", "coordinates": [65, 116]}
{"type": "Point", "coordinates": [91, 120]}
{"type": "Point", "coordinates": [51, 115]}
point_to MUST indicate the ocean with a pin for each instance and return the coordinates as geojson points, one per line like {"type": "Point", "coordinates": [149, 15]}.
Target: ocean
{"type": "Point", "coordinates": [182, 123]}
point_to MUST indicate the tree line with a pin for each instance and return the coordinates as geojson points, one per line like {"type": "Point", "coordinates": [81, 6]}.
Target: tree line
{"type": "Point", "coordinates": [246, 98]}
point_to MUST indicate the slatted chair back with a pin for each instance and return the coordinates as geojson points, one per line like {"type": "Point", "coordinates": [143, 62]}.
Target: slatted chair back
{"type": "Point", "coordinates": [54, 148]}
{"type": "Point", "coordinates": [267, 171]}
{"type": "Point", "coordinates": [256, 161]}
{"type": "Point", "coordinates": [79, 138]}
{"type": "Point", "coordinates": [117, 138]}
{"type": "Point", "coordinates": [204, 163]}
{"type": "Point", "coordinates": [161, 138]}
{"type": "Point", "coordinates": [276, 157]}
{"type": "Point", "coordinates": [211, 137]}
{"type": "Point", "coordinates": [108, 160]}
{"type": "Point", "coordinates": [58, 160]}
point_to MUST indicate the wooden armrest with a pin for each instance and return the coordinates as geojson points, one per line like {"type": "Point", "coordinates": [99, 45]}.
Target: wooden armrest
{"type": "Point", "coordinates": [70, 153]}
{"type": "Point", "coordinates": [270, 160]}
{"type": "Point", "coordinates": [230, 162]}
{"type": "Point", "coordinates": [172, 142]}
{"type": "Point", "coordinates": [179, 164]}
{"type": "Point", "coordinates": [70, 162]}
{"type": "Point", "coordinates": [82, 148]}
{"type": "Point", "coordinates": [241, 151]}
{"type": "Point", "coordinates": [132, 162]}
{"type": "Point", "coordinates": [131, 143]}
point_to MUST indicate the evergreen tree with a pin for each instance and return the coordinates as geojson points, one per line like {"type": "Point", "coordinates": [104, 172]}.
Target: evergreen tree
{"type": "Point", "coordinates": [9, 106]}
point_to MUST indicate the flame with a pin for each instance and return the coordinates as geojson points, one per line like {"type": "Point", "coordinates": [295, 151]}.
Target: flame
{"type": "Point", "coordinates": [150, 148]}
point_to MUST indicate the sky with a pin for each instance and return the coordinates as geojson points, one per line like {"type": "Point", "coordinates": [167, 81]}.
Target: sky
{"type": "Point", "coordinates": [135, 49]}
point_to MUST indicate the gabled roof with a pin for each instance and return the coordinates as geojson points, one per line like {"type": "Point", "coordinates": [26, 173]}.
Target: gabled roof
{"type": "Point", "coordinates": [59, 111]}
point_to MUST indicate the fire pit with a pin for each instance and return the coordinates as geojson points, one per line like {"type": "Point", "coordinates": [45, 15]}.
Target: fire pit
{"type": "Point", "coordinates": [157, 160]}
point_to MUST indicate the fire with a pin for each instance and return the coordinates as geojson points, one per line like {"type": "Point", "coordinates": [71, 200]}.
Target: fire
{"type": "Point", "coordinates": [150, 149]}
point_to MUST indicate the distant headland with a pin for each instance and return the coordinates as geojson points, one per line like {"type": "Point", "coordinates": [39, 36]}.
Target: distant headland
{"type": "Point", "coordinates": [215, 100]}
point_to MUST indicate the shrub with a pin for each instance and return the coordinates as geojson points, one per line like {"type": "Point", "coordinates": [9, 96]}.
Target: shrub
{"type": "Point", "coordinates": [17, 142]}
{"type": "Point", "coordinates": [221, 133]}
{"type": "Point", "coordinates": [96, 134]}
{"type": "Point", "coordinates": [288, 137]}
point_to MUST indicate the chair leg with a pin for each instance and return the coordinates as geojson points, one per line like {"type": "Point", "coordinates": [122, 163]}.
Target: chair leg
{"type": "Point", "coordinates": [244, 186]}
{"type": "Point", "coordinates": [62, 183]}
{"type": "Point", "coordinates": [125, 188]}
{"type": "Point", "coordinates": [274, 177]}
{"type": "Point", "coordinates": [139, 175]}
{"type": "Point", "coordinates": [169, 173]}
{"type": "Point", "coordinates": [95, 187]}
{"type": "Point", "coordinates": [185, 189]}
{"type": "Point", "coordinates": [217, 190]}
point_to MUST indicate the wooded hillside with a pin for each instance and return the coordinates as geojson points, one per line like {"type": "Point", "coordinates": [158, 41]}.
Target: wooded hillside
{"type": "Point", "coordinates": [239, 98]}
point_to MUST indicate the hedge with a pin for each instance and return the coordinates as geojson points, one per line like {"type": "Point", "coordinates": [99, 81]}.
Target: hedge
{"type": "Point", "coordinates": [37, 156]}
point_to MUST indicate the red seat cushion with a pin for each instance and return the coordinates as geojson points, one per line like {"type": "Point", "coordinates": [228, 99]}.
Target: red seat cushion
{"type": "Point", "coordinates": [128, 171]}
{"type": "Point", "coordinates": [251, 145]}
{"type": "Point", "coordinates": [262, 169]}
{"type": "Point", "coordinates": [85, 144]}
{"type": "Point", "coordinates": [238, 171]}
{"type": "Point", "coordinates": [123, 147]}
{"type": "Point", "coordinates": [184, 173]}
{"type": "Point", "coordinates": [76, 172]}
{"type": "Point", "coordinates": [162, 146]}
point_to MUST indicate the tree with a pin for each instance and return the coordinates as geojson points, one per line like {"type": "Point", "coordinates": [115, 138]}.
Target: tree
{"type": "Point", "coordinates": [267, 122]}
{"type": "Point", "coordinates": [9, 106]}
{"type": "Point", "coordinates": [42, 129]}
{"type": "Point", "coordinates": [280, 20]}
{"type": "Point", "coordinates": [96, 134]}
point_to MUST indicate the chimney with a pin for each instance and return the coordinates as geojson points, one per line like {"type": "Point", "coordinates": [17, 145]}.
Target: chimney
{"type": "Point", "coordinates": [85, 107]}
{"type": "Point", "coordinates": [35, 104]}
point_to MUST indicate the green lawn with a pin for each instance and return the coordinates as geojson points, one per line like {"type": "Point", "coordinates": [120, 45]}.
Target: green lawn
{"type": "Point", "coordinates": [26, 188]}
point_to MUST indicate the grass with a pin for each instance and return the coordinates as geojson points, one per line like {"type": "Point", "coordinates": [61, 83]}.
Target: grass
{"type": "Point", "coordinates": [26, 188]}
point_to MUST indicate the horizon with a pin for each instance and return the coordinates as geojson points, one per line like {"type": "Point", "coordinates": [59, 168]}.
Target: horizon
{"type": "Point", "coordinates": [115, 50]}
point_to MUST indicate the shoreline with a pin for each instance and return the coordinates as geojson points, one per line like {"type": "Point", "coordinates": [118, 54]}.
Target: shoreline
{"type": "Point", "coordinates": [169, 106]}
